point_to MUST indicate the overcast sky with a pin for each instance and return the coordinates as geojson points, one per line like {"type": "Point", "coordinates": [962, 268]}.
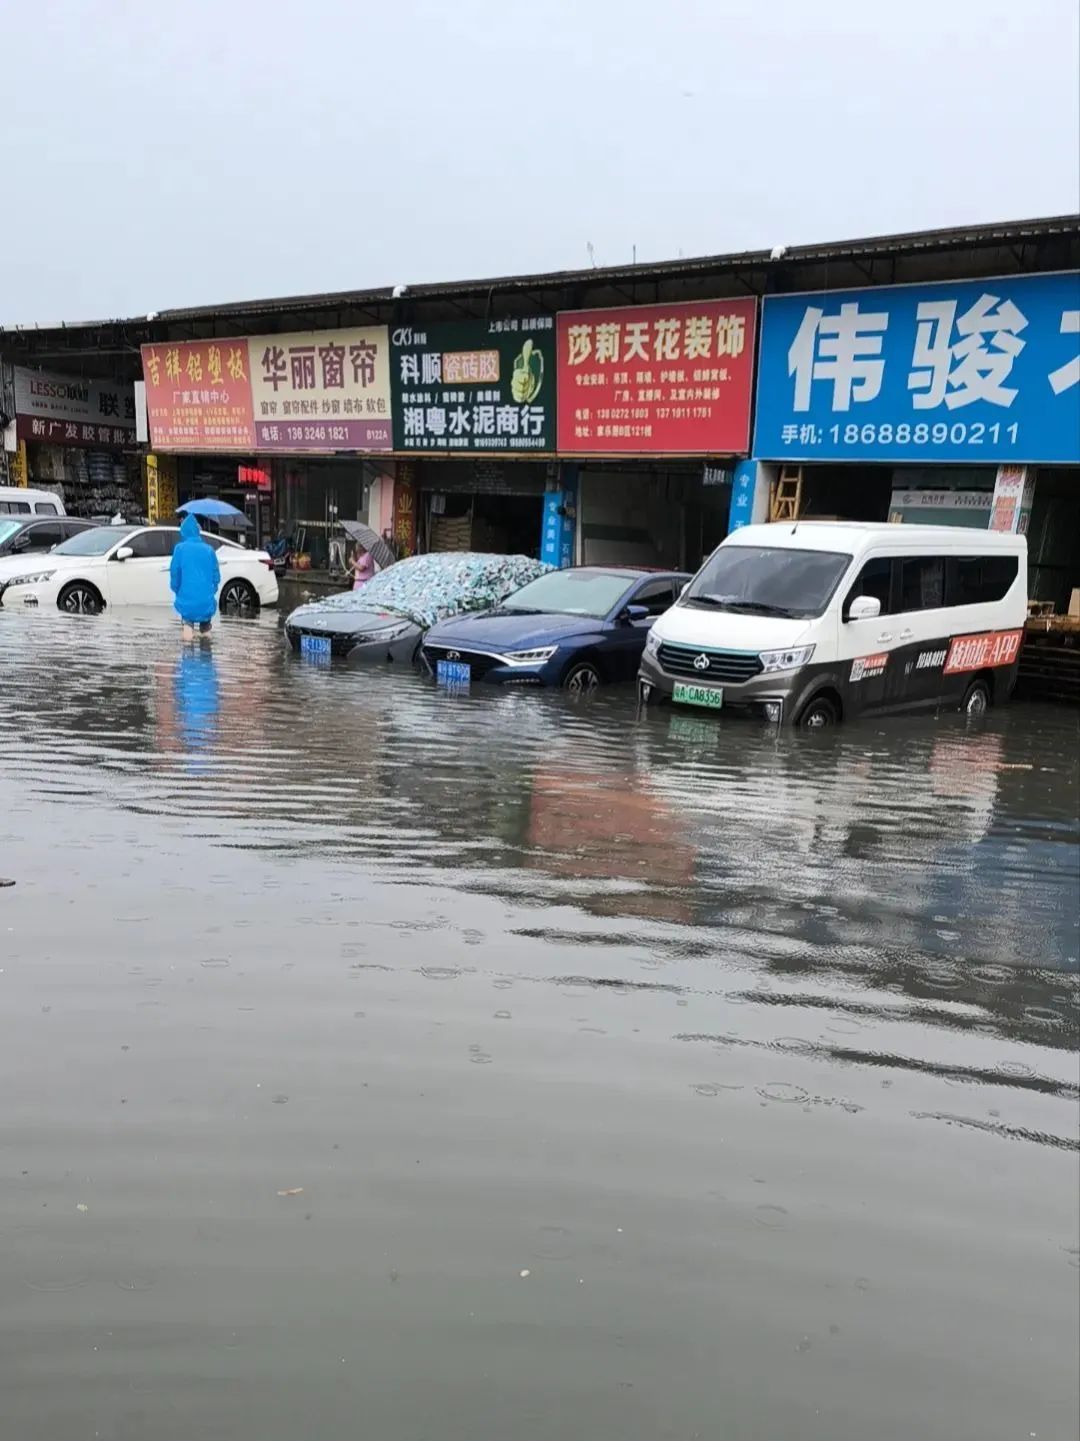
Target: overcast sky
{"type": "Point", "coordinates": [183, 153]}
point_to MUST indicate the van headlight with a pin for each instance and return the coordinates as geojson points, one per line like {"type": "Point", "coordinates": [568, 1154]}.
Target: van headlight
{"type": "Point", "coordinates": [38, 578]}
{"type": "Point", "coordinates": [530, 657]}
{"type": "Point", "coordinates": [785, 659]}
{"type": "Point", "coordinates": [652, 643]}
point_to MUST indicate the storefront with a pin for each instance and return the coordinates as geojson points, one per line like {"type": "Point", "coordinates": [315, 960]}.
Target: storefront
{"type": "Point", "coordinates": [654, 404]}
{"type": "Point", "coordinates": [76, 437]}
{"type": "Point", "coordinates": [926, 403]}
{"type": "Point", "coordinates": [276, 424]}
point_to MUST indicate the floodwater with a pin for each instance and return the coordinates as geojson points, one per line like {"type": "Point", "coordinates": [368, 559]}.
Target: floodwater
{"type": "Point", "coordinates": [383, 1063]}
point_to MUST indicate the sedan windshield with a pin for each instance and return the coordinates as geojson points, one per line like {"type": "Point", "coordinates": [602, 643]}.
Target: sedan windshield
{"type": "Point", "coordinates": [8, 529]}
{"type": "Point", "coordinates": [762, 580]}
{"type": "Point", "coordinates": [590, 593]}
{"type": "Point", "coordinates": [92, 542]}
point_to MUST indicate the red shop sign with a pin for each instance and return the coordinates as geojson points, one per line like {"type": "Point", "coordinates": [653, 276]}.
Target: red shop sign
{"type": "Point", "coordinates": [657, 379]}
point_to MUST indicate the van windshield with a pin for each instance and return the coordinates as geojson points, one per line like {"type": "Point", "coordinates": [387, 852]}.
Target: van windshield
{"type": "Point", "coordinates": [763, 580]}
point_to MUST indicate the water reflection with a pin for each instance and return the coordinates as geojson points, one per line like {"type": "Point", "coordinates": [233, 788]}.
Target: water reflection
{"type": "Point", "coordinates": [379, 997]}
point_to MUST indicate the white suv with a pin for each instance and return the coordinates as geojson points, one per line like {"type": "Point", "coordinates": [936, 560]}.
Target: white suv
{"type": "Point", "coordinates": [127, 565]}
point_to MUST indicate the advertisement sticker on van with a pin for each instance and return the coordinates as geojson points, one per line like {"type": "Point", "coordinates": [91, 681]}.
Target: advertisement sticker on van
{"type": "Point", "coordinates": [865, 667]}
{"type": "Point", "coordinates": [977, 652]}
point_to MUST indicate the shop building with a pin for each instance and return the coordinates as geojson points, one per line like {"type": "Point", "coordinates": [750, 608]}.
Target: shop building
{"type": "Point", "coordinates": [607, 414]}
{"type": "Point", "coordinates": [75, 436]}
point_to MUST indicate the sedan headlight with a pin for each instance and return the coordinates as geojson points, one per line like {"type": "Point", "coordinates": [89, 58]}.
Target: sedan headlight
{"type": "Point", "coordinates": [785, 659]}
{"type": "Point", "coordinates": [38, 578]}
{"type": "Point", "coordinates": [530, 657]}
{"type": "Point", "coordinates": [652, 643]}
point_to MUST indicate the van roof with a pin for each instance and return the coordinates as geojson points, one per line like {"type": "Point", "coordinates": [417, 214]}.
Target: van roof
{"type": "Point", "coordinates": [857, 535]}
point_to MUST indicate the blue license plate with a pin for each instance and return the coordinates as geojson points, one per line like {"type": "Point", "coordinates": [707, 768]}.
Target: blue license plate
{"type": "Point", "coordinates": [315, 645]}
{"type": "Point", "coordinates": [453, 672]}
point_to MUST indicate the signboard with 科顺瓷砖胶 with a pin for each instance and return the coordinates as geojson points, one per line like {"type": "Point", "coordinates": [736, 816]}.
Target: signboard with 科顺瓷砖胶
{"type": "Point", "coordinates": [474, 386]}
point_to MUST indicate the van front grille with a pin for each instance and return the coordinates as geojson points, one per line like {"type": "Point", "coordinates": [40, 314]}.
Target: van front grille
{"type": "Point", "coordinates": [732, 667]}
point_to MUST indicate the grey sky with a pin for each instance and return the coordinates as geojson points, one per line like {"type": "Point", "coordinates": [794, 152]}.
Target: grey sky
{"type": "Point", "coordinates": [178, 153]}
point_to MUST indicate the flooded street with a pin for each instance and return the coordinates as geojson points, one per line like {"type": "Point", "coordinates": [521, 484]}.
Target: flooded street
{"type": "Point", "coordinates": [384, 1063]}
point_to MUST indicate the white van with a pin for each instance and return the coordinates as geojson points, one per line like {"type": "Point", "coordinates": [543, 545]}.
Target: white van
{"type": "Point", "coordinates": [813, 621]}
{"type": "Point", "coordinates": [14, 500]}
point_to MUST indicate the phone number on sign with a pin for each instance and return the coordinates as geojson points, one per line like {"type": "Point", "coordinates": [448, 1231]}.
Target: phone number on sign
{"type": "Point", "coordinates": [939, 433]}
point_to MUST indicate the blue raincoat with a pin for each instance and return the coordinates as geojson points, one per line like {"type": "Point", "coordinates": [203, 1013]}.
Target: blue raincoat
{"type": "Point", "coordinates": [194, 575]}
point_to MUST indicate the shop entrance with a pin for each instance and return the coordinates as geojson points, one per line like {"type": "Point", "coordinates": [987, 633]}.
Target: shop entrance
{"type": "Point", "coordinates": [501, 524]}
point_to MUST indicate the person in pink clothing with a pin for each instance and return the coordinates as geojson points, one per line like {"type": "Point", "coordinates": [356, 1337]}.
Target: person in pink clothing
{"type": "Point", "coordinates": [362, 568]}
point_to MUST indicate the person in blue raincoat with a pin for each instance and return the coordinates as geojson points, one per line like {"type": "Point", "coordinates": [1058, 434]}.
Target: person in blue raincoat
{"type": "Point", "coordinates": [195, 577]}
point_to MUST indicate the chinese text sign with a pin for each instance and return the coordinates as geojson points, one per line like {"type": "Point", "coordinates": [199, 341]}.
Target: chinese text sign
{"type": "Point", "coordinates": [324, 390]}
{"type": "Point", "coordinates": [66, 410]}
{"type": "Point", "coordinates": [973, 370]}
{"type": "Point", "coordinates": [198, 395]}
{"type": "Point", "coordinates": [656, 379]}
{"type": "Point", "coordinates": [315, 391]}
{"type": "Point", "coordinates": [475, 386]}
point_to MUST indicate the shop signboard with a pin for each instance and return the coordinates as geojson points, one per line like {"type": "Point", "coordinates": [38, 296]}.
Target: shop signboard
{"type": "Point", "coordinates": [67, 410]}
{"type": "Point", "coordinates": [315, 391]}
{"type": "Point", "coordinates": [324, 390]}
{"type": "Point", "coordinates": [972, 371]}
{"type": "Point", "coordinates": [198, 395]}
{"type": "Point", "coordinates": [1013, 494]}
{"type": "Point", "coordinates": [475, 386]}
{"type": "Point", "coordinates": [656, 379]}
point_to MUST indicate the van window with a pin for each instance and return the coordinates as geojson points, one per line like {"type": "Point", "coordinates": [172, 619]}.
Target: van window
{"type": "Point", "coordinates": [875, 579]}
{"type": "Point", "coordinates": [768, 580]}
{"type": "Point", "coordinates": [45, 507]}
{"type": "Point", "coordinates": [14, 507]}
{"type": "Point", "coordinates": [922, 582]}
{"type": "Point", "coordinates": [978, 579]}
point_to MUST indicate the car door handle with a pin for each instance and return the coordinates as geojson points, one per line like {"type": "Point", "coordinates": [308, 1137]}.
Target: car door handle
{"type": "Point", "coordinates": [884, 636]}
{"type": "Point", "coordinates": [906, 634]}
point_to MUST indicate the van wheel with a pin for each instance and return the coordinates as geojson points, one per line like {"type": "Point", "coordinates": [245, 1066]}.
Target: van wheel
{"type": "Point", "coordinates": [79, 598]}
{"type": "Point", "coordinates": [818, 714]}
{"type": "Point", "coordinates": [976, 698]}
{"type": "Point", "coordinates": [581, 679]}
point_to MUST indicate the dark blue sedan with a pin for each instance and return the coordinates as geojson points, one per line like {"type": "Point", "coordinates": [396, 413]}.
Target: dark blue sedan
{"type": "Point", "coordinates": [576, 628]}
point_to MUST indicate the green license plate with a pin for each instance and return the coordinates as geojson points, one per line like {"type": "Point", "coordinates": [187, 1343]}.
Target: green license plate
{"type": "Point", "coordinates": [705, 695]}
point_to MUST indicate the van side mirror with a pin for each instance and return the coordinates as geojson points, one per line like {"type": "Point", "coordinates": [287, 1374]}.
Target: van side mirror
{"type": "Point", "coordinates": [864, 607]}
{"type": "Point", "coordinates": [124, 553]}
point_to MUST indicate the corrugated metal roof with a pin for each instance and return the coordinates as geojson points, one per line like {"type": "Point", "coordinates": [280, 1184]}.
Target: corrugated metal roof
{"type": "Point", "coordinates": [1006, 233]}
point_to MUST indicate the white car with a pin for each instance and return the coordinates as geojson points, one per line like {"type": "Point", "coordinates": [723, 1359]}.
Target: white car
{"type": "Point", "coordinates": [115, 565]}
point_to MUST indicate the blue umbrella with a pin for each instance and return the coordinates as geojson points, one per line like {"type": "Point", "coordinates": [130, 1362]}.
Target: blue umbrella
{"type": "Point", "coordinates": [214, 509]}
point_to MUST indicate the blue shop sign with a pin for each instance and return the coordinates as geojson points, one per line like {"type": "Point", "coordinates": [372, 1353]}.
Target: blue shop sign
{"type": "Point", "coordinates": [966, 371]}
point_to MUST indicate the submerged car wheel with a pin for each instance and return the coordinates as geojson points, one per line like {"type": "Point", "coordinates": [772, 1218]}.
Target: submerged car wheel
{"type": "Point", "coordinates": [976, 698]}
{"type": "Point", "coordinates": [238, 598]}
{"type": "Point", "coordinates": [581, 679]}
{"type": "Point", "coordinates": [818, 714]}
{"type": "Point", "coordinates": [79, 598]}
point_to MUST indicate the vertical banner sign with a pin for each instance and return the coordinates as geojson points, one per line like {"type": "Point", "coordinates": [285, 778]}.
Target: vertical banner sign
{"type": "Point", "coordinates": [404, 513]}
{"type": "Point", "coordinates": [325, 390]}
{"type": "Point", "coordinates": [743, 489]}
{"type": "Point", "coordinates": [475, 387]}
{"type": "Point", "coordinates": [656, 379]}
{"type": "Point", "coordinates": [971, 371]}
{"type": "Point", "coordinates": [1008, 498]}
{"type": "Point", "coordinates": [18, 467]}
{"type": "Point", "coordinates": [559, 527]}
{"type": "Point", "coordinates": [153, 509]}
